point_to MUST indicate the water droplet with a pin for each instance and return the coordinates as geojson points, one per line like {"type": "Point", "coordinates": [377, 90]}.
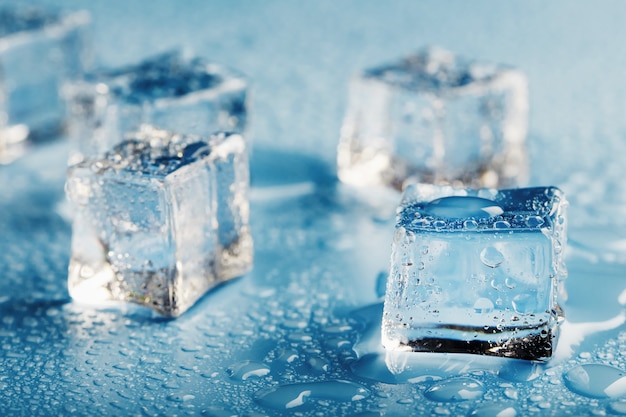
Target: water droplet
{"type": "Point", "coordinates": [299, 337]}
{"type": "Point", "coordinates": [618, 407]}
{"type": "Point", "coordinates": [439, 224]}
{"type": "Point", "coordinates": [496, 284]}
{"type": "Point", "coordinates": [483, 305]}
{"type": "Point", "coordinates": [534, 221]}
{"type": "Point", "coordinates": [284, 397]}
{"type": "Point", "coordinates": [339, 329]}
{"type": "Point", "coordinates": [501, 224]}
{"type": "Point", "coordinates": [243, 370]}
{"type": "Point", "coordinates": [491, 257]}
{"type": "Point", "coordinates": [463, 207]}
{"type": "Point", "coordinates": [596, 381]}
{"type": "Point", "coordinates": [524, 303]}
{"type": "Point", "coordinates": [494, 410]}
{"type": "Point", "coordinates": [288, 356]}
{"type": "Point", "coordinates": [470, 224]}
{"type": "Point", "coordinates": [511, 393]}
{"type": "Point", "coordinates": [318, 365]}
{"type": "Point", "coordinates": [455, 389]}
{"type": "Point", "coordinates": [180, 397]}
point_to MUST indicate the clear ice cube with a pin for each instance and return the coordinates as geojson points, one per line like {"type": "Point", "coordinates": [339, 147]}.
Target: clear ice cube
{"type": "Point", "coordinates": [160, 219]}
{"type": "Point", "coordinates": [41, 51]}
{"type": "Point", "coordinates": [167, 91]}
{"type": "Point", "coordinates": [435, 118]}
{"type": "Point", "coordinates": [477, 271]}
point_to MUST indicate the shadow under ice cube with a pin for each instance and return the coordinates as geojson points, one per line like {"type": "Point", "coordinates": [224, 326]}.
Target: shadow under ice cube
{"type": "Point", "coordinates": [40, 52]}
{"type": "Point", "coordinates": [160, 219]}
{"type": "Point", "coordinates": [435, 118]}
{"type": "Point", "coordinates": [165, 91]}
{"type": "Point", "coordinates": [476, 272]}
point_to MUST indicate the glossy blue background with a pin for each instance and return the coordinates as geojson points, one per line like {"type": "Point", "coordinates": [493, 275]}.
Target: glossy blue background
{"type": "Point", "coordinates": [309, 311]}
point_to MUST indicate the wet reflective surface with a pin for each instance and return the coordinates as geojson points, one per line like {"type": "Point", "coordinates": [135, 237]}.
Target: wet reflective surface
{"type": "Point", "coordinates": [301, 332]}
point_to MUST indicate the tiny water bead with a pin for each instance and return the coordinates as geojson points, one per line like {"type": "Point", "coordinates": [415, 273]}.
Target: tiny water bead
{"type": "Point", "coordinates": [455, 389]}
{"type": "Point", "coordinates": [463, 207]}
{"type": "Point", "coordinates": [596, 381]}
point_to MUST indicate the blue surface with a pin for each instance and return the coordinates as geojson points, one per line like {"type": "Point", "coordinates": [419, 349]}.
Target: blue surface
{"type": "Point", "coordinates": [310, 311]}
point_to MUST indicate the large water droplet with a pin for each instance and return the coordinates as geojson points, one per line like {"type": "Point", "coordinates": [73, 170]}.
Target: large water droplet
{"type": "Point", "coordinates": [455, 389]}
{"type": "Point", "coordinates": [247, 369]}
{"type": "Point", "coordinates": [318, 365]}
{"type": "Point", "coordinates": [596, 381]}
{"type": "Point", "coordinates": [463, 207]}
{"type": "Point", "coordinates": [618, 407]}
{"type": "Point", "coordinates": [483, 305]}
{"type": "Point", "coordinates": [284, 397]}
{"type": "Point", "coordinates": [524, 303]}
{"type": "Point", "coordinates": [491, 257]}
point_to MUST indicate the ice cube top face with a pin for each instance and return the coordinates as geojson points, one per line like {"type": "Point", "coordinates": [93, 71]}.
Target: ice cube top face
{"type": "Point", "coordinates": [436, 118]}
{"type": "Point", "coordinates": [146, 226]}
{"type": "Point", "coordinates": [40, 51]}
{"type": "Point", "coordinates": [166, 91]}
{"type": "Point", "coordinates": [476, 271]}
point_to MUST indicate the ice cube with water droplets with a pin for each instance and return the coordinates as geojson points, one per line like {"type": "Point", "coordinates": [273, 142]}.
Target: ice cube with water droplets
{"type": "Point", "coordinates": [41, 52]}
{"type": "Point", "coordinates": [168, 91]}
{"type": "Point", "coordinates": [437, 118]}
{"type": "Point", "coordinates": [477, 271]}
{"type": "Point", "coordinates": [160, 219]}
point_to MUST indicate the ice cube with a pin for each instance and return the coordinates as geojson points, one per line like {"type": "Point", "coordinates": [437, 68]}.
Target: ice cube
{"type": "Point", "coordinates": [436, 118]}
{"type": "Point", "coordinates": [160, 219]}
{"type": "Point", "coordinates": [167, 91]}
{"type": "Point", "coordinates": [476, 271]}
{"type": "Point", "coordinates": [40, 52]}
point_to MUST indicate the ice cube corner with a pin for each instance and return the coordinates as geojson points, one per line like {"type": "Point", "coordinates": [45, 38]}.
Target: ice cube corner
{"type": "Point", "coordinates": [477, 271]}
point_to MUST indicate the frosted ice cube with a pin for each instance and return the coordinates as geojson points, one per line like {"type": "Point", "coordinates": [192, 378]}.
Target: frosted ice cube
{"type": "Point", "coordinates": [476, 271]}
{"type": "Point", "coordinates": [167, 91]}
{"type": "Point", "coordinates": [435, 118]}
{"type": "Point", "coordinates": [160, 219]}
{"type": "Point", "coordinates": [40, 51]}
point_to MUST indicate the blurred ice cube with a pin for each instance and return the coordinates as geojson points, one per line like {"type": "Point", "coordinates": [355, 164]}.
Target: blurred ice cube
{"type": "Point", "coordinates": [167, 91]}
{"type": "Point", "coordinates": [477, 272]}
{"type": "Point", "coordinates": [433, 117]}
{"type": "Point", "coordinates": [40, 52]}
